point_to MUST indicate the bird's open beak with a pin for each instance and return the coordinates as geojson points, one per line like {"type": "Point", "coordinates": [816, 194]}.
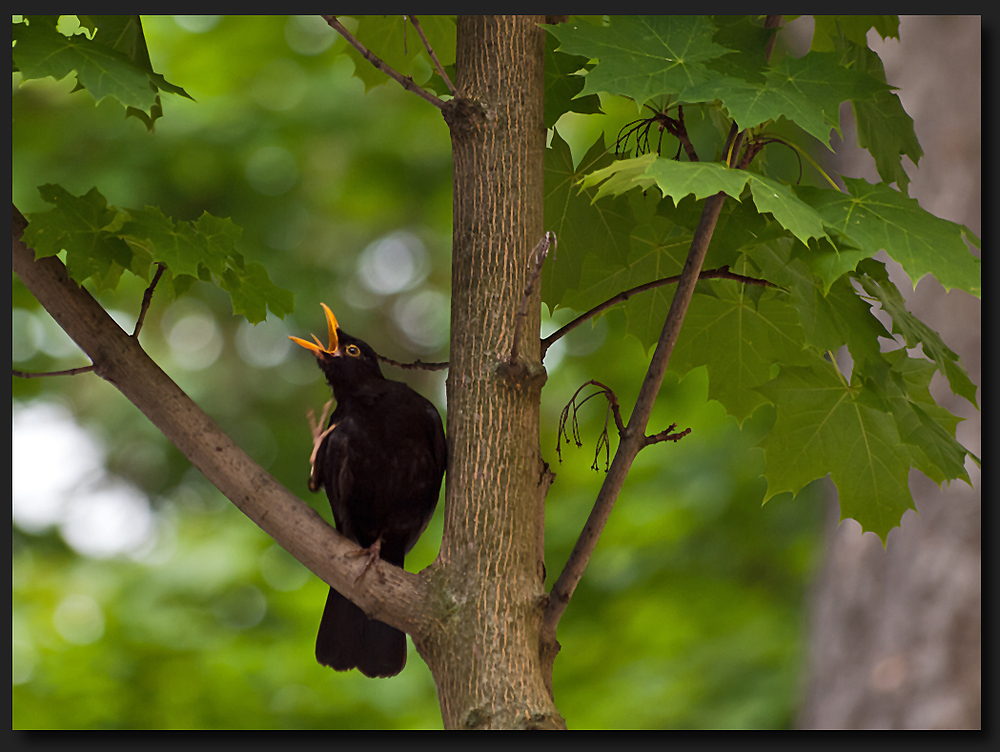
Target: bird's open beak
{"type": "Point", "coordinates": [317, 347]}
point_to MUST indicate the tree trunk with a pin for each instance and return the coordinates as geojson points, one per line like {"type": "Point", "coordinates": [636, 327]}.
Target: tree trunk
{"type": "Point", "coordinates": [485, 654]}
{"type": "Point", "coordinates": [897, 634]}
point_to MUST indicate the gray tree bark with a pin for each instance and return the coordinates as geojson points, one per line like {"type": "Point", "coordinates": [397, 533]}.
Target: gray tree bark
{"type": "Point", "coordinates": [896, 635]}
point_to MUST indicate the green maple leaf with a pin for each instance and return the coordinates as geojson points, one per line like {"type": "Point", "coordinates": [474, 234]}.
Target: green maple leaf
{"type": "Point", "coordinates": [102, 242]}
{"type": "Point", "coordinates": [702, 179]}
{"type": "Point", "coordinates": [658, 243]}
{"type": "Point", "coordinates": [876, 217]}
{"type": "Point", "coordinates": [875, 281]}
{"type": "Point", "coordinates": [42, 51]}
{"type": "Point", "coordinates": [924, 426]}
{"type": "Point", "coordinates": [657, 249]}
{"type": "Point", "coordinates": [78, 225]}
{"type": "Point", "coordinates": [253, 292]}
{"type": "Point", "coordinates": [115, 63]}
{"type": "Point", "coordinates": [699, 179]}
{"type": "Point", "coordinates": [621, 176]}
{"type": "Point", "coordinates": [394, 40]}
{"type": "Point", "coordinates": [562, 86]}
{"type": "Point", "coordinates": [642, 57]}
{"type": "Point", "coordinates": [827, 29]}
{"type": "Point", "coordinates": [830, 316]}
{"type": "Point", "coordinates": [739, 334]}
{"type": "Point", "coordinates": [172, 243]}
{"type": "Point", "coordinates": [884, 128]}
{"type": "Point", "coordinates": [219, 236]}
{"type": "Point", "coordinates": [824, 426]}
{"type": "Point", "coordinates": [581, 228]}
{"type": "Point", "coordinates": [807, 91]}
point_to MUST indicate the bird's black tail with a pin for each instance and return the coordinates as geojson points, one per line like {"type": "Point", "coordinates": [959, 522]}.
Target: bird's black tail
{"type": "Point", "coordinates": [349, 639]}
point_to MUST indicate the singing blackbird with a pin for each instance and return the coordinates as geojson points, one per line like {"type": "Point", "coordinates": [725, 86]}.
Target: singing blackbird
{"type": "Point", "coordinates": [381, 460]}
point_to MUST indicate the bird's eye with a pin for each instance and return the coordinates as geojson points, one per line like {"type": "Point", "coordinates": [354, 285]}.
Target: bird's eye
{"type": "Point", "coordinates": [353, 350]}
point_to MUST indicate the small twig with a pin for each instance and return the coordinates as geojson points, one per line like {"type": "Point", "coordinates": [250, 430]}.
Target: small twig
{"type": "Point", "coordinates": [67, 372]}
{"type": "Point", "coordinates": [721, 273]}
{"type": "Point", "coordinates": [540, 252]}
{"type": "Point", "coordinates": [430, 51]}
{"type": "Point", "coordinates": [147, 298]}
{"type": "Point", "coordinates": [686, 140]}
{"type": "Point", "coordinates": [667, 435]}
{"type": "Point", "coordinates": [417, 365]}
{"type": "Point", "coordinates": [602, 441]}
{"type": "Point", "coordinates": [406, 82]}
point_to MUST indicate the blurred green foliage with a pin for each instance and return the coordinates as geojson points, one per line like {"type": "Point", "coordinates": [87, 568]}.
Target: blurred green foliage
{"type": "Point", "coordinates": [691, 612]}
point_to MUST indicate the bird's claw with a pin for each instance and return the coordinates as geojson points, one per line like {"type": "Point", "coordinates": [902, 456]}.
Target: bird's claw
{"type": "Point", "coordinates": [372, 552]}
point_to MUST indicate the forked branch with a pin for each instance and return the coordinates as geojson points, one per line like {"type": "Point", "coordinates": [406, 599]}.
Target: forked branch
{"type": "Point", "coordinates": [406, 82]}
{"type": "Point", "coordinates": [633, 437]}
{"type": "Point", "coordinates": [147, 298]}
{"type": "Point", "coordinates": [721, 273]}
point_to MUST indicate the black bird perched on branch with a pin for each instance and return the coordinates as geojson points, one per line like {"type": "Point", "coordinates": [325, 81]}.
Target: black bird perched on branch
{"type": "Point", "coordinates": [381, 460]}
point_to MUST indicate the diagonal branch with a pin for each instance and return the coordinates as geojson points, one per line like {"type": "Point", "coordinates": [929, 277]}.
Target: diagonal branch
{"type": "Point", "coordinates": [434, 57]}
{"type": "Point", "coordinates": [118, 358]}
{"type": "Point", "coordinates": [406, 82]}
{"type": "Point", "coordinates": [634, 437]}
{"type": "Point", "coordinates": [721, 273]}
{"type": "Point", "coordinates": [417, 365]}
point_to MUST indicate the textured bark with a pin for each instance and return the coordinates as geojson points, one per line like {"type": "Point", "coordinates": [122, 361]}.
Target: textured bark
{"type": "Point", "coordinates": [897, 634]}
{"type": "Point", "coordinates": [485, 654]}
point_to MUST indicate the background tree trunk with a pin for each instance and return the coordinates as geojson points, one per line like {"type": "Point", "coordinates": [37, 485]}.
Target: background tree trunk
{"type": "Point", "coordinates": [487, 569]}
{"type": "Point", "coordinates": [897, 634]}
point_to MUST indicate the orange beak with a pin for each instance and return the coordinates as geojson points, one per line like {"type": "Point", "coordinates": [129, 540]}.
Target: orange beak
{"type": "Point", "coordinates": [317, 347]}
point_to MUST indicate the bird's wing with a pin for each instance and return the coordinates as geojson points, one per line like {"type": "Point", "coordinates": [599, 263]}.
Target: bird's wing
{"type": "Point", "coordinates": [439, 446]}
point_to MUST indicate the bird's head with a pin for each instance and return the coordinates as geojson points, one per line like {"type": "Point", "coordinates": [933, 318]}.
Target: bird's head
{"type": "Point", "coordinates": [347, 362]}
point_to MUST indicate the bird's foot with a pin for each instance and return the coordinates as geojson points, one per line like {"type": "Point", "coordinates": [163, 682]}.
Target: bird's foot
{"type": "Point", "coordinates": [318, 434]}
{"type": "Point", "coordinates": [316, 426]}
{"type": "Point", "coordinates": [372, 552]}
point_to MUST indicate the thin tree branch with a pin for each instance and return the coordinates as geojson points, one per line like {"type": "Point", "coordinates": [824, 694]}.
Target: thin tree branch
{"type": "Point", "coordinates": [721, 273]}
{"type": "Point", "coordinates": [667, 435]}
{"type": "Point", "coordinates": [634, 438]}
{"type": "Point", "coordinates": [434, 57]}
{"type": "Point", "coordinates": [539, 253]}
{"type": "Point", "coordinates": [417, 365]}
{"type": "Point", "coordinates": [401, 601]}
{"type": "Point", "coordinates": [406, 82]}
{"type": "Point", "coordinates": [147, 298]}
{"type": "Point", "coordinates": [67, 372]}
{"type": "Point", "coordinates": [680, 133]}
